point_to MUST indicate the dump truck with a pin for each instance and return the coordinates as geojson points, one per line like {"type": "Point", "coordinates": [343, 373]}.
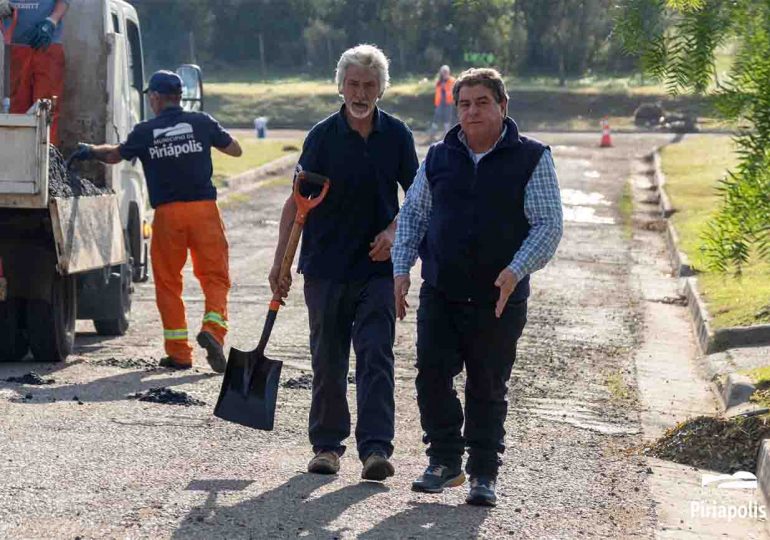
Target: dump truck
{"type": "Point", "coordinates": [76, 256]}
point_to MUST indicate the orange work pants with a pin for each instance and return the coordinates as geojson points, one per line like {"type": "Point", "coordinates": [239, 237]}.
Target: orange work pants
{"type": "Point", "coordinates": [37, 74]}
{"type": "Point", "coordinates": [195, 226]}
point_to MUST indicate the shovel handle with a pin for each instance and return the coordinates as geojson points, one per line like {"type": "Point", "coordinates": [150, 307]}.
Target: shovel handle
{"type": "Point", "coordinates": [304, 206]}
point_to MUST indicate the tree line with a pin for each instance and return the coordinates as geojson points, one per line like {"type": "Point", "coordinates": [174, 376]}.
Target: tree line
{"type": "Point", "coordinates": [563, 38]}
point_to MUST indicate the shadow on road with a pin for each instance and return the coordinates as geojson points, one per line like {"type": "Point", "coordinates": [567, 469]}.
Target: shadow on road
{"type": "Point", "coordinates": [288, 511]}
{"type": "Point", "coordinates": [112, 388]}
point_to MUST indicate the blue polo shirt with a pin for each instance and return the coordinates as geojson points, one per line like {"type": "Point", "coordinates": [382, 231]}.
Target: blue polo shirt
{"type": "Point", "coordinates": [363, 198]}
{"type": "Point", "coordinates": [175, 151]}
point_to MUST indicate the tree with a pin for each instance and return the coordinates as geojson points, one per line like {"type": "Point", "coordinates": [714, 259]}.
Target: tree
{"type": "Point", "coordinates": [682, 53]}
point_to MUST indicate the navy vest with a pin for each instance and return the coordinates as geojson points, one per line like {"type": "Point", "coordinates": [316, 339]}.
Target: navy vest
{"type": "Point", "coordinates": [477, 222]}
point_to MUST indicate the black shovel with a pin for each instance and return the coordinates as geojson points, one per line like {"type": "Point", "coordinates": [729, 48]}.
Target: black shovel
{"type": "Point", "coordinates": [250, 385]}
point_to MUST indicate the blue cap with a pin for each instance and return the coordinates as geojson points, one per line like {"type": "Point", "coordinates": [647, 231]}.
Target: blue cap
{"type": "Point", "coordinates": [165, 82]}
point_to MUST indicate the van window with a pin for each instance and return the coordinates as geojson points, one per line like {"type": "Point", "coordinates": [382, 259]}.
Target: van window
{"type": "Point", "coordinates": [136, 69]}
{"type": "Point", "coordinates": [116, 23]}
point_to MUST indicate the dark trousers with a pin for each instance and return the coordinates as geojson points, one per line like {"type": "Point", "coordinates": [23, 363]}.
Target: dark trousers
{"type": "Point", "coordinates": [364, 312]}
{"type": "Point", "coordinates": [451, 335]}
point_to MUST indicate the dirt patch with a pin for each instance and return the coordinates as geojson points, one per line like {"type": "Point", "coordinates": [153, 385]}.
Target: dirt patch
{"type": "Point", "coordinates": [713, 443]}
{"type": "Point", "coordinates": [145, 364]}
{"type": "Point", "coordinates": [31, 378]}
{"type": "Point", "coordinates": [67, 184]}
{"type": "Point", "coordinates": [679, 300]}
{"type": "Point", "coordinates": [167, 397]}
{"type": "Point", "coordinates": [303, 382]}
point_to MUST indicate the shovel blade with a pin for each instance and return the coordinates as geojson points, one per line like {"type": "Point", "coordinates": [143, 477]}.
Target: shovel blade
{"type": "Point", "coordinates": [249, 390]}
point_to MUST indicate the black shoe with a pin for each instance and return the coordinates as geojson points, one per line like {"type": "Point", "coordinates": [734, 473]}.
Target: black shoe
{"type": "Point", "coordinates": [482, 491]}
{"type": "Point", "coordinates": [377, 467]}
{"type": "Point", "coordinates": [437, 477]}
{"type": "Point", "coordinates": [214, 352]}
{"type": "Point", "coordinates": [173, 363]}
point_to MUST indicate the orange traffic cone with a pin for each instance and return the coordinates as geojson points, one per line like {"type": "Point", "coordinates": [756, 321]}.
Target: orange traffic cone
{"type": "Point", "coordinates": [606, 136]}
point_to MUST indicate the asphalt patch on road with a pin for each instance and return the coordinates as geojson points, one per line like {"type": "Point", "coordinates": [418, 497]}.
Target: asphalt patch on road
{"type": "Point", "coordinates": [145, 364]}
{"type": "Point", "coordinates": [723, 445]}
{"type": "Point", "coordinates": [303, 382]}
{"type": "Point", "coordinates": [67, 184]}
{"type": "Point", "coordinates": [167, 396]}
{"type": "Point", "coordinates": [31, 378]}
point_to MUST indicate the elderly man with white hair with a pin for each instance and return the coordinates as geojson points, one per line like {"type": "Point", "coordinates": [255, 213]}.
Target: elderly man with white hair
{"type": "Point", "coordinates": [345, 260]}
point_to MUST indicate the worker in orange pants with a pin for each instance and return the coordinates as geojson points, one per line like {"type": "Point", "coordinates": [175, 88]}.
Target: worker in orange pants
{"type": "Point", "coordinates": [175, 151]}
{"type": "Point", "coordinates": [197, 227]}
{"type": "Point", "coordinates": [37, 55]}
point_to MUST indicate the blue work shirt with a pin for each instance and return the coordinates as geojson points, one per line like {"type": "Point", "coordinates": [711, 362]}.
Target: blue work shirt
{"type": "Point", "coordinates": [363, 198]}
{"type": "Point", "coordinates": [175, 151]}
{"type": "Point", "coordinates": [31, 12]}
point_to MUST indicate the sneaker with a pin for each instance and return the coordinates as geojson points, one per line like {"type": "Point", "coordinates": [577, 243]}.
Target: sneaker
{"type": "Point", "coordinates": [325, 462]}
{"type": "Point", "coordinates": [482, 491]}
{"type": "Point", "coordinates": [173, 363]}
{"type": "Point", "coordinates": [437, 477]}
{"type": "Point", "coordinates": [214, 352]}
{"type": "Point", "coordinates": [377, 467]}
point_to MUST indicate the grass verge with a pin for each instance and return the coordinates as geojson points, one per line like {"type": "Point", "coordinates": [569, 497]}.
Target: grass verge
{"type": "Point", "coordinates": [535, 104]}
{"type": "Point", "coordinates": [256, 152]}
{"type": "Point", "coordinates": [693, 169]}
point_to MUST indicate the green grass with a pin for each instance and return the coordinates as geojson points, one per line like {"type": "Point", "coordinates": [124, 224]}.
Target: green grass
{"type": "Point", "coordinates": [256, 152]}
{"type": "Point", "coordinates": [536, 103]}
{"type": "Point", "coordinates": [693, 169]}
{"type": "Point", "coordinates": [617, 386]}
{"type": "Point", "coordinates": [626, 208]}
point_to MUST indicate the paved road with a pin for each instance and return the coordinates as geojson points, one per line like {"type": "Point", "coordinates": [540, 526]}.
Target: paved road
{"type": "Point", "coordinates": [114, 467]}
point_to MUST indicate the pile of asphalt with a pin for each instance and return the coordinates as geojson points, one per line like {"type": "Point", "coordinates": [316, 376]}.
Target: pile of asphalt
{"type": "Point", "coordinates": [167, 397]}
{"type": "Point", "coordinates": [67, 184]}
{"type": "Point", "coordinates": [128, 363]}
{"type": "Point", "coordinates": [303, 382]}
{"type": "Point", "coordinates": [30, 378]}
{"type": "Point", "coordinates": [718, 444]}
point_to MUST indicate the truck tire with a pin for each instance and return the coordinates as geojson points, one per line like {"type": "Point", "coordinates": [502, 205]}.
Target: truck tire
{"type": "Point", "coordinates": [51, 325]}
{"type": "Point", "coordinates": [13, 340]}
{"type": "Point", "coordinates": [119, 325]}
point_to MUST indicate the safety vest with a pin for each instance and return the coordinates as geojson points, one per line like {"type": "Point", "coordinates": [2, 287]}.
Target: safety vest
{"type": "Point", "coordinates": [448, 85]}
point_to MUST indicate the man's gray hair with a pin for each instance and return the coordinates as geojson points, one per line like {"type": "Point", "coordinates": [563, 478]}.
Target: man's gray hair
{"type": "Point", "coordinates": [487, 77]}
{"type": "Point", "coordinates": [367, 56]}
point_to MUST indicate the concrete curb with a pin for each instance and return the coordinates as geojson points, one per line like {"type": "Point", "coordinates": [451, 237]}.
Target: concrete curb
{"type": "Point", "coordinates": [709, 340]}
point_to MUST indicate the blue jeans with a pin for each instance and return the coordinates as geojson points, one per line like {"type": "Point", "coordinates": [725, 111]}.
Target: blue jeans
{"type": "Point", "coordinates": [362, 312]}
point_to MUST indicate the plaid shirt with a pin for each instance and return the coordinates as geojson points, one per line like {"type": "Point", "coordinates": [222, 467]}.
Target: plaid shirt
{"type": "Point", "coordinates": [542, 207]}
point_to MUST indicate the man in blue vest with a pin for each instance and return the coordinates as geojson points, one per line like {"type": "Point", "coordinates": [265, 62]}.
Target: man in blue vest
{"type": "Point", "coordinates": [483, 213]}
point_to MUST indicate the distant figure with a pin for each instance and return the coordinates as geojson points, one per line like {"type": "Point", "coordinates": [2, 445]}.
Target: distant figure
{"type": "Point", "coordinates": [443, 101]}
{"type": "Point", "coordinates": [260, 127]}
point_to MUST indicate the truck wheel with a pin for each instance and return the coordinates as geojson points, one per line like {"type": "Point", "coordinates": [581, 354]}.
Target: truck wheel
{"type": "Point", "coordinates": [51, 325]}
{"type": "Point", "coordinates": [13, 340]}
{"type": "Point", "coordinates": [119, 325]}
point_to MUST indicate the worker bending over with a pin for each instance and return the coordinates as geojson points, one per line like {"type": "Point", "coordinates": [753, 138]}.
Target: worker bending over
{"type": "Point", "coordinates": [37, 55]}
{"type": "Point", "coordinates": [175, 151]}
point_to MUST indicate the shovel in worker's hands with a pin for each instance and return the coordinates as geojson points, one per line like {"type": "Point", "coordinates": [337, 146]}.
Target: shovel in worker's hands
{"type": "Point", "coordinates": [250, 385]}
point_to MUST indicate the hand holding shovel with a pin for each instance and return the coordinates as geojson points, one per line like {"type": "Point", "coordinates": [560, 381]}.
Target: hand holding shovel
{"type": "Point", "coordinates": [250, 385]}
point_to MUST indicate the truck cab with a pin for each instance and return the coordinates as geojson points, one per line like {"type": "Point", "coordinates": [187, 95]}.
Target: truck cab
{"type": "Point", "coordinates": [63, 259]}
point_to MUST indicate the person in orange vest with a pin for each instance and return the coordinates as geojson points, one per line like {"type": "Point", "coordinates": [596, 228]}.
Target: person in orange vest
{"type": "Point", "coordinates": [443, 102]}
{"type": "Point", "coordinates": [175, 151]}
{"type": "Point", "coordinates": [37, 55]}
